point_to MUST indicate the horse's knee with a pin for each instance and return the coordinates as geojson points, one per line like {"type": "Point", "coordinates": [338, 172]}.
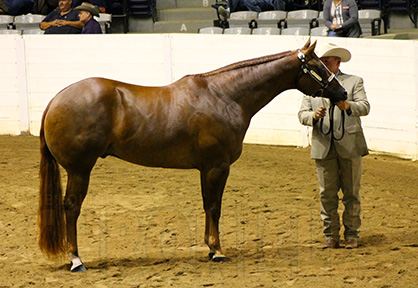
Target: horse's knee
{"type": "Point", "coordinates": [218, 171]}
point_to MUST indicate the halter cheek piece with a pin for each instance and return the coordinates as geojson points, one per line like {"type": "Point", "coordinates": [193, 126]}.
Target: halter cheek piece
{"type": "Point", "coordinates": [306, 70]}
{"type": "Point", "coordinates": [324, 84]}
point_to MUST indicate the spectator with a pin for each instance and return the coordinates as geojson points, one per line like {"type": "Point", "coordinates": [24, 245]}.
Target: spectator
{"type": "Point", "coordinates": [87, 11]}
{"type": "Point", "coordinates": [341, 18]}
{"type": "Point", "coordinates": [62, 21]}
{"type": "Point", "coordinates": [338, 150]}
{"type": "Point", "coordinates": [16, 7]}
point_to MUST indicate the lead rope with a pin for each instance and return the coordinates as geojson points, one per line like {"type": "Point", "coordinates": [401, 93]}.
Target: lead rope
{"type": "Point", "coordinates": [331, 123]}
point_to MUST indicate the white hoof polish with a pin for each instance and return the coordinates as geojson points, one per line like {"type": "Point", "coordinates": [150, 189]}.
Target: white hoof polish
{"type": "Point", "coordinates": [80, 268]}
{"type": "Point", "coordinates": [77, 265]}
{"type": "Point", "coordinates": [219, 258]}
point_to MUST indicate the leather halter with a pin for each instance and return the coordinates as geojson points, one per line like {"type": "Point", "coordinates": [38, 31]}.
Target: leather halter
{"type": "Point", "coordinates": [324, 84]}
{"type": "Point", "coordinates": [306, 70]}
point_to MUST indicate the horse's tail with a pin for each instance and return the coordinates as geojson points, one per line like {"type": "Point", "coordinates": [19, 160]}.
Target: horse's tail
{"type": "Point", "coordinates": [51, 215]}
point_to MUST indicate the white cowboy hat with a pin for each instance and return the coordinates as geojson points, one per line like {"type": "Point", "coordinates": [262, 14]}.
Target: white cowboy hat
{"type": "Point", "coordinates": [331, 49]}
{"type": "Point", "coordinates": [93, 9]}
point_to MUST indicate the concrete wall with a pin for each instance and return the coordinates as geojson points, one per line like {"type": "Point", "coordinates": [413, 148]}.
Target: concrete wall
{"type": "Point", "coordinates": [36, 67]}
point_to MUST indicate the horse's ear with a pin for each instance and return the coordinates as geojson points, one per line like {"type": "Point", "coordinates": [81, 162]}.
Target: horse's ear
{"type": "Point", "coordinates": [310, 50]}
{"type": "Point", "coordinates": [307, 43]}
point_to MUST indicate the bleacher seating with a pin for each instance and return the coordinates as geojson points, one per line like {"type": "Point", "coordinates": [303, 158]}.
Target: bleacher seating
{"type": "Point", "coordinates": [302, 22]}
{"type": "Point", "coordinates": [376, 5]}
{"type": "Point", "coordinates": [370, 22]}
{"type": "Point", "coordinates": [295, 31]}
{"type": "Point", "coordinates": [211, 30]}
{"type": "Point", "coordinates": [183, 16]}
{"type": "Point", "coordinates": [6, 22]}
{"type": "Point", "coordinates": [301, 13]}
{"type": "Point", "coordinates": [271, 19]}
{"type": "Point", "coordinates": [104, 21]}
{"type": "Point", "coordinates": [32, 31]}
{"type": "Point", "coordinates": [28, 21]}
{"type": "Point", "coordinates": [10, 31]}
{"type": "Point", "coordinates": [308, 18]}
{"type": "Point", "coordinates": [242, 19]}
{"type": "Point", "coordinates": [302, 18]}
{"type": "Point", "coordinates": [319, 31]}
{"type": "Point", "coordinates": [238, 30]}
{"type": "Point", "coordinates": [266, 31]}
{"type": "Point", "coordinates": [142, 8]}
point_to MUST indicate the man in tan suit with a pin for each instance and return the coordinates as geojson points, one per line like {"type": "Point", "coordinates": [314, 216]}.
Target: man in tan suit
{"type": "Point", "coordinates": [338, 145]}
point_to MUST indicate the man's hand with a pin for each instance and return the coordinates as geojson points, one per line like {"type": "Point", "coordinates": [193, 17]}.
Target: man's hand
{"type": "Point", "coordinates": [61, 23]}
{"type": "Point", "coordinates": [343, 105]}
{"type": "Point", "coordinates": [320, 112]}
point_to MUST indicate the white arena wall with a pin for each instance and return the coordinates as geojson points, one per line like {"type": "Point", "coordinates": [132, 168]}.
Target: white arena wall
{"type": "Point", "coordinates": [33, 68]}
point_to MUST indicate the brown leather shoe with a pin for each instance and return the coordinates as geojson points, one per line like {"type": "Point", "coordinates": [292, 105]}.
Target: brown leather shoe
{"type": "Point", "coordinates": [351, 243]}
{"type": "Point", "coordinates": [331, 243]}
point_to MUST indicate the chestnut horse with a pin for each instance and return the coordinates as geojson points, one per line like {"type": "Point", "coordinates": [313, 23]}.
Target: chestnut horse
{"type": "Point", "coordinates": [196, 122]}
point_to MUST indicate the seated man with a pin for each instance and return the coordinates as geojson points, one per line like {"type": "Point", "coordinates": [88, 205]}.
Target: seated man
{"type": "Point", "coordinates": [87, 11]}
{"type": "Point", "coordinates": [62, 21]}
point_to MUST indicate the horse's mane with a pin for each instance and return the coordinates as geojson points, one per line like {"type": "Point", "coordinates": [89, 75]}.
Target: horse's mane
{"type": "Point", "coordinates": [246, 63]}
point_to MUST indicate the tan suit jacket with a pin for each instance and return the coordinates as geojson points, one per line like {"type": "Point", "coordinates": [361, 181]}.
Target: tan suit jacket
{"type": "Point", "coordinates": [353, 143]}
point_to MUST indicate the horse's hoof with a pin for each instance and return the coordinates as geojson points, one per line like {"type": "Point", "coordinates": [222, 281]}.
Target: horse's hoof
{"type": "Point", "coordinates": [220, 258]}
{"type": "Point", "coordinates": [211, 254]}
{"type": "Point", "coordinates": [79, 268]}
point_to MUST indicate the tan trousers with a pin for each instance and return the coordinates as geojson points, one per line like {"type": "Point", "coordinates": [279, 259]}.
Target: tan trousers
{"type": "Point", "coordinates": [335, 173]}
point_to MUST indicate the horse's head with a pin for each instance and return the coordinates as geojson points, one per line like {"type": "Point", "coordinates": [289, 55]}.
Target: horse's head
{"type": "Point", "coordinates": [315, 79]}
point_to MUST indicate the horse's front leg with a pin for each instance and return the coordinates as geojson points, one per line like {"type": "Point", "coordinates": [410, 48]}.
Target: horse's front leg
{"type": "Point", "coordinates": [213, 182]}
{"type": "Point", "coordinates": [76, 192]}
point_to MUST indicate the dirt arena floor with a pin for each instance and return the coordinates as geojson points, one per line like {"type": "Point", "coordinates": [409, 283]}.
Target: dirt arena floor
{"type": "Point", "coordinates": [143, 227]}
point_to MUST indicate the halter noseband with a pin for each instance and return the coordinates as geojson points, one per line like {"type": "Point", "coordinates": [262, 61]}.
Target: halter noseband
{"type": "Point", "coordinates": [323, 82]}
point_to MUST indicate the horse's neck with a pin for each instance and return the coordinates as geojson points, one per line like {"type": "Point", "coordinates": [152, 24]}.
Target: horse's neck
{"type": "Point", "coordinates": [253, 87]}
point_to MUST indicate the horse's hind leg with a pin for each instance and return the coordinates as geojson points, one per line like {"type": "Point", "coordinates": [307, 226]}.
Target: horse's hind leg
{"type": "Point", "coordinates": [213, 182]}
{"type": "Point", "coordinates": [76, 192]}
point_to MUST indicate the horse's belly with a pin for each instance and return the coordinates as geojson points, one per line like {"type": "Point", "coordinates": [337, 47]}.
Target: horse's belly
{"type": "Point", "coordinates": [159, 155]}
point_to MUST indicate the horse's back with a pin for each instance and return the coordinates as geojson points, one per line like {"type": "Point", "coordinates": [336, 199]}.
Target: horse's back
{"type": "Point", "coordinates": [169, 126]}
{"type": "Point", "coordinates": [99, 117]}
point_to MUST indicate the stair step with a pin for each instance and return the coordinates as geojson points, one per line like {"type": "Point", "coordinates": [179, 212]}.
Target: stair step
{"type": "Point", "coordinates": [186, 14]}
{"type": "Point", "coordinates": [186, 26]}
{"type": "Point", "coordinates": [164, 4]}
